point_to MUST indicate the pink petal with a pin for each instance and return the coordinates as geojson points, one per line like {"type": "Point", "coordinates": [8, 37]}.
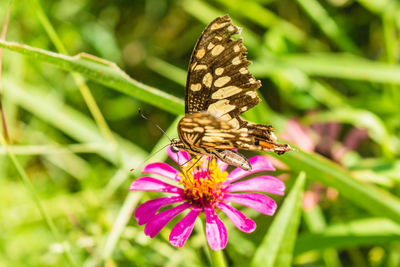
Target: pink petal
{"type": "Point", "coordinates": [334, 130]}
{"type": "Point", "coordinates": [268, 184]}
{"type": "Point", "coordinates": [145, 211]}
{"type": "Point", "coordinates": [216, 234]}
{"type": "Point", "coordinates": [354, 138]}
{"type": "Point", "coordinates": [180, 157]}
{"type": "Point", "coordinates": [182, 230]}
{"type": "Point", "coordinates": [151, 184]}
{"type": "Point", "coordinates": [298, 134]}
{"type": "Point", "coordinates": [162, 169]}
{"type": "Point", "coordinates": [258, 163]}
{"type": "Point", "coordinates": [243, 223]}
{"type": "Point", "coordinates": [310, 200]}
{"type": "Point", "coordinates": [158, 221]}
{"type": "Point", "coordinates": [222, 165]}
{"type": "Point", "coordinates": [257, 201]}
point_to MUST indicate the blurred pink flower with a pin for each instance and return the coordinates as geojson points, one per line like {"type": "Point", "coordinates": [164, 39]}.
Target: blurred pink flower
{"type": "Point", "coordinates": [205, 187]}
{"type": "Point", "coordinates": [322, 138]}
{"type": "Point", "coordinates": [299, 135]}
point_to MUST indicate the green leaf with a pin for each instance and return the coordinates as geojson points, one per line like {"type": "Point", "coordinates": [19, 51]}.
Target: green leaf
{"type": "Point", "coordinates": [167, 70]}
{"type": "Point", "coordinates": [333, 65]}
{"type": "Point", "coordinates": [371, 231]}
{"type": "Point", "coordinates": [373, 199]}
{"type": "Point", "coordinates": [316, 223]}
{"type": "Point", "coordinates": [70, 121]}
{"type": "Point", "coordinates": [277, 247]}
{"type": "Point", "coordinates": [328, 25]}
{"type": "Point", "coordinates": [132, 199]}
{"type": "Point", "coordinates": [264, 17]}
{"type": "Point", "coordinates": [103, 72]}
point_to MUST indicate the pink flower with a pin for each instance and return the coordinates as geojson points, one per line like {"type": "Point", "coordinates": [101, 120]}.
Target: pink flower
{"type": "Point", "coordinates": [205, 187]}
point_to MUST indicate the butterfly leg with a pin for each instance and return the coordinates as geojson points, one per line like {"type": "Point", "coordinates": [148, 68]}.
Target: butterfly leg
{"type": "Point", "coordinates": [210, 159]}
{"type": "Point", "coordinates": [185, 162]}
{"type": "Point", "coordinates": [208, 166]}
{"type": "Point", "coordinates": [194, 164]}
{"type": "Point", "coordinates": [186, 171]}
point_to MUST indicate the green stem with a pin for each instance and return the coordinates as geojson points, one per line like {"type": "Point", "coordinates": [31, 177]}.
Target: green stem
{"type": "Point", "coordinates": [216, 257]}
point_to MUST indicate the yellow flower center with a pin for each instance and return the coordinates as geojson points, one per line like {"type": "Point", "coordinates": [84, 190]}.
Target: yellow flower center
{"type": "Point", "coordinates": [203, 181]}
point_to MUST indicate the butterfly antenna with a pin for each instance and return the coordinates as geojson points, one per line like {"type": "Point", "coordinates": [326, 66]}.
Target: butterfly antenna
{"type": "Point", "coordinates": [149, 157]}
{"type": "Point", "coordinates": [155, 124]}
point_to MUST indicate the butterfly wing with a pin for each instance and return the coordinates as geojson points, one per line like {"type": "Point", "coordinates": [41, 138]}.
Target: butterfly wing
{"type": "Point", "coordinates": [204, 133]}
{"type": "Point", "coordinates": [219, 88]}
{"type": "Point", "coordinates": [218, 80]}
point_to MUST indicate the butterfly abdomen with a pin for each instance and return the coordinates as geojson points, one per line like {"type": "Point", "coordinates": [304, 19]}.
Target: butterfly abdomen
{"type": "Point", "coordinates": [233, 158]}
{"type": "Point", "coordinates": [261, 137]}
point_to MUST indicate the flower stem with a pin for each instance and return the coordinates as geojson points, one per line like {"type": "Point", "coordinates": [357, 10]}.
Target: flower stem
{"type": "Point", "coordinates": [216, 257]}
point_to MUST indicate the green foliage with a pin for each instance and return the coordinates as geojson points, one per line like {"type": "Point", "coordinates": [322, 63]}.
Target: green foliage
{"type": "Point", "coordinates": [64, 178]}
{"type": "Point", "coordinates": [277, 247]}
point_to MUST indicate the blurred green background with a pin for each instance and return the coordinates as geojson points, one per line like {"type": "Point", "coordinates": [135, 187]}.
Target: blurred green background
{"type": "Point", "coordinates": [331, 86]}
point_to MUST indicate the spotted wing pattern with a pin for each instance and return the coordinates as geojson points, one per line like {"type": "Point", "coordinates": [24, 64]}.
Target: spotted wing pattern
{"type": "Point", "coordinates": [219, 88]}
{"type": "Point", "coordinates": [203, 133]}
{"type": "Point", "coordinates": [218, 79]}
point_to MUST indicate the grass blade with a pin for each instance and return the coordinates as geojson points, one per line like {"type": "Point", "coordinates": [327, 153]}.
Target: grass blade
{"type": "Point", "coordinates": [316, 223]}
{"type": "Point", "coordinates": [332, 65]}
{"type": "Point", "coordinates": [80, 82]}
{"type": "Point", "coordinates": [24, 177]}
{"type": "Point", "coordinates": [130, 202]}
{"type": "Point", "coordinates": [206, 13]}
{"type": "Point", "coordinates": [103, 72]}
{"type": "Point", "coordinates": [167, 70]}
{"type": "Point", "coordinates": [373, 199]}
{"type": "Point", "coordinates": [277, 246]}
{"type": "Point", "coordinates": [267, 19]}
{"type": "Point", "coordinates": [371, 231]}
{"type": "Point", "coordinates": [328, 25]}
{"type": "Point", "coordinates": [69, 121]}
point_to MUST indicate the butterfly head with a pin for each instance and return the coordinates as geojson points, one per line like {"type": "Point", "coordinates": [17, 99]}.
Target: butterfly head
{"type": "Point", "coordinates": [176, 145]}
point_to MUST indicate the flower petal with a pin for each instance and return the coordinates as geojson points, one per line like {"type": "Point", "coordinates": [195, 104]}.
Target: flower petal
{"type": "Point", "coordinates": [180, 157]}
{"type": "Point", "coordinates": [216, 234]}
{"type": "Point", "coordinates": [162, 169]}
{"type": "Point", "coordinates": [298, 134]}
{"type": "Point", "coordinates": [258, 163]}
{"type": "Point", "coordinates": [151, 184]}
{"type": "Point", "coordinates": [158, 221]}
{"type": "Point", "coordinates": [222, 165]}
{"type": "Point", "coordinates": [257, 201]}
{"type": "Point", "coordinates": [243, 223]}
{"type": "Point", "coordinates": [268, 184]}
{"type": "Point", "coordinates": [145, 211]}
{"type": "Point", "coordinates": [182, 230]}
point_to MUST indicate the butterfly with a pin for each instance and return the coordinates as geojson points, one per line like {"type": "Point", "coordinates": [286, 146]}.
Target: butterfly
{"type": "Point", "coordinates": [219, 88]}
